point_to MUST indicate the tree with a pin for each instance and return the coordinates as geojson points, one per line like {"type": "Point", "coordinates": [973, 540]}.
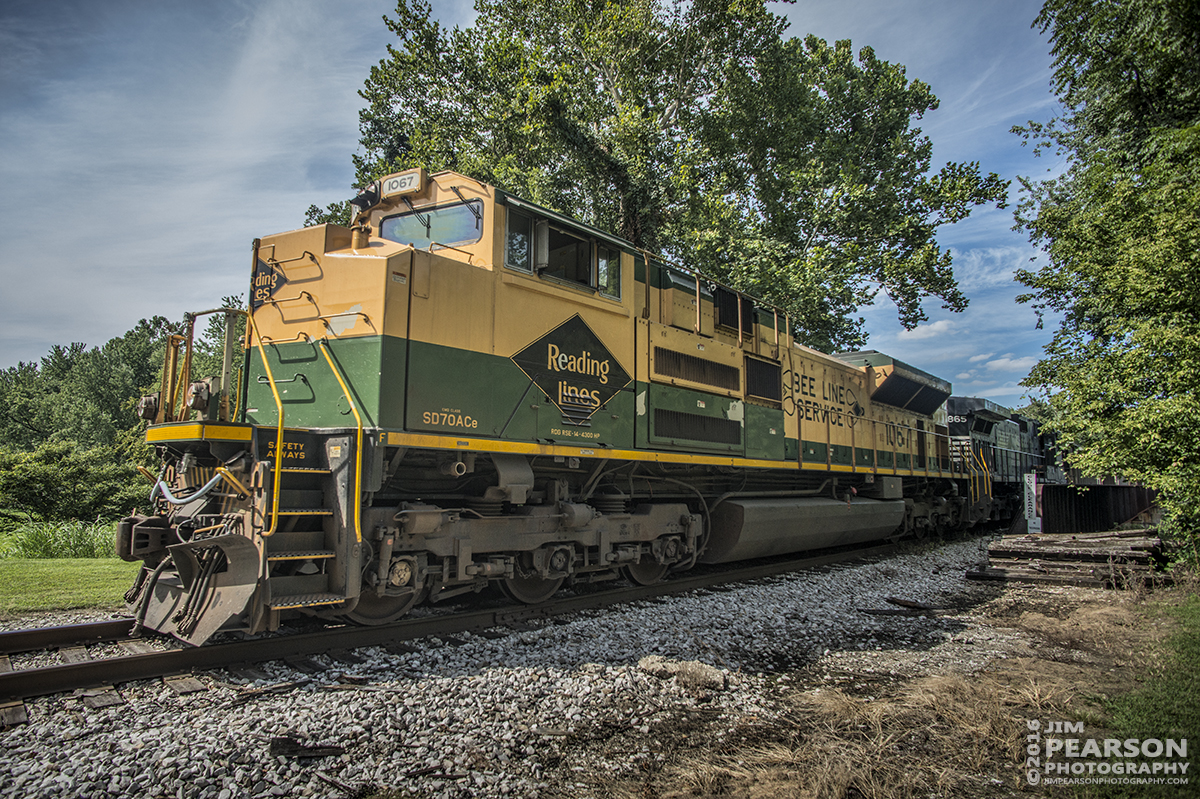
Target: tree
{"type": "Point", "coordinates": [82, 395]}
{"type": "Point", "coordinates": [337, 213]}
{"type": "Point", "coordinates": [59, 480]}
{"type": "Point", "coordinates": [1120, 230]}
{"type": "Point", "coordinates": [696, 129]}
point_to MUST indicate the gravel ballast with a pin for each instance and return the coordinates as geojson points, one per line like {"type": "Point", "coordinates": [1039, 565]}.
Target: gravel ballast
{"type": "Point", "coordinates": [508, 715]}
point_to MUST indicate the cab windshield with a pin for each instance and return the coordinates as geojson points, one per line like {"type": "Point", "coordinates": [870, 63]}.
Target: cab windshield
{"type": "Point", "coordinates": [461, 223]}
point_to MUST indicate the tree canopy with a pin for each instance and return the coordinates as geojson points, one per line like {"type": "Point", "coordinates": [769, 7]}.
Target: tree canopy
{"type": "Point", "coordinates": [786, 167]}
{"type": "Point", "coordinates": [70, 438]}
{"type": "Point", "coordinates": [1120, 229]}
{"type": "Point", "coordinates": [80, 394]}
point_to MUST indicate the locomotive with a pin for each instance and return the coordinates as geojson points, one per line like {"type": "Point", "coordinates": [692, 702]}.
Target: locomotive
{"type": "Point", "coordinates": [465, 389]}
{"type": "Point", "coordinates": [1007, 446]}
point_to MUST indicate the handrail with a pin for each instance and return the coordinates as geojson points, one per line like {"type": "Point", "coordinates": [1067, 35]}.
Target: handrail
{"type": "Point", "coordinates": [987, 472]}
{"type": "Point", "coordinates": [985, 478]}
{"type": "Point", "coordinates": [185, 374]}
{"type": "Point", "coordinates": [299, 336]}
{"type": "Point", "coordinates": [271, 262]}
{"type": "Point", "coordinates": [275, 480]}
{"type": "Point", "coordinates": [302, 295]}
{"type": "Point", "coordinates": [324, 344]}
{"type": "Point", "coordinates": [233, 481]}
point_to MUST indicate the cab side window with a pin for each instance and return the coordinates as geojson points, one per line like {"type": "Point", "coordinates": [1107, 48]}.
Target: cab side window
{"type": "Point", "coordinates": [532, 244]}
{"type": "Point", "coordinates": [518, 245]}
{"type": "Point", "coordinates": [608, 271]}
{"type": "Point", "coordinates": [568, 258]}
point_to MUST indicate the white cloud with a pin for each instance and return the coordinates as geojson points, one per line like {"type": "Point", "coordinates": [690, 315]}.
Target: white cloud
{"type": "Point", "coordinates": [931, 330]}
{"type": "Point", "coordinates": [1011, 394]}
{"type": "Point", "coordinates": [964, 376]}
{"type": "Point", "coordinates": [983, 357]}
{"type": "Point", "coordinates": [973, 387]}
{"type": "Point", "coordinates": [1010, 364]}
{"type": "Point", "coordinates": [981, 268]}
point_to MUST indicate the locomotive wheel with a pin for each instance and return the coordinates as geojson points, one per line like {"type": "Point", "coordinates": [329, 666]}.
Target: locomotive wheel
{"type": "Point", "coordinates": [373, 609]}
{"type": "Point", "coordinates": [646, 571]}
{"type": "Point", "coordinates": [530, 590]}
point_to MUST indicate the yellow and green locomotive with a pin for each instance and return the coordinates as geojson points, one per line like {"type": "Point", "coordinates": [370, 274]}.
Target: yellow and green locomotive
{"type": "Point", "coordinates": [465, 389]}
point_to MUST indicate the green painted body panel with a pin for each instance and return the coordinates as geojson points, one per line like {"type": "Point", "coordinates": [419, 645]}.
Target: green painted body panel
{"type": "Point", "coordinates": [312, 396]}
{"type": "Point", "coordinates": [458, 391]}
{"type": "Point", "coordinates": [452, 391]}
{"type": "Point", "coordinates": [864, 457]}
{"type": "Point", "coordinates": [814, 452]}
{"type": "Point", "coordinates": [764, 433]}
{"type": "Point", "coordinates": [841, 455]}
{"type": "Point", "coordinates": [697, 403]}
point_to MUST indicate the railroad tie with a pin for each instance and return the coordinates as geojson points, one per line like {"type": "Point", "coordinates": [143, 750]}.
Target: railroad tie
{"type": "Point", "coordinates": [11, 713]}
{"type": "Point", "coordinates": [184, 684]}
{"type": "Point", "coordinates": [95, 698]}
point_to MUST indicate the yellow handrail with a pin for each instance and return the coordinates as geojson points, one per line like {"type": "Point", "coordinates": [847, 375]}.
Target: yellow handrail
{"type": "Point", "coordinates": [275, 480]}
{"type": "Point", "coordinates": [233, 481]}
{"type": "Point", "coordinates": [359, 441]}
{"type": "Point", "coordinates": [985, 479]}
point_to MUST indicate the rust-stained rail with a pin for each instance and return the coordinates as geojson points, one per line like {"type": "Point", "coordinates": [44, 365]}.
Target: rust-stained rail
{"type": "Point", "coordinates": [52, 637]}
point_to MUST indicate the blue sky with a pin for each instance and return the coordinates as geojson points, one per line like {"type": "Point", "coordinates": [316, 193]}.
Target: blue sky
{"type": "Point", "coordinates": [144, 144]}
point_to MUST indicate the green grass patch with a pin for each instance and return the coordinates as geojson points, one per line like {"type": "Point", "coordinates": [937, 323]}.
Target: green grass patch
{"type": "Point", "coordinates": [1166, 706]}
{"type": "Point", "coordinates": [61, 539]}
{"type": "Point", "coordinates": [63, 583]}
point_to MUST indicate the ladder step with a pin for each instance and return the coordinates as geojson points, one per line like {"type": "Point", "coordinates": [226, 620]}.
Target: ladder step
{"type": "Point", "coordinates": [303, 470]}
{"type": "Point", "coordinates": [305, 512]}
{"type": "Point", "coordinates": [312, 554]}
{"type": "Point", "coordinates": [305, 601]}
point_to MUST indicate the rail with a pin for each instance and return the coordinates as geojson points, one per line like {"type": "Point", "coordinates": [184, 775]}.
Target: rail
{"type": "Point", "coordinates": [175, 378]}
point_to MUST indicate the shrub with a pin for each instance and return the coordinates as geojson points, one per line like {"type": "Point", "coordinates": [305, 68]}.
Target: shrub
{"type": "Point", "coordinates": [60, 480]}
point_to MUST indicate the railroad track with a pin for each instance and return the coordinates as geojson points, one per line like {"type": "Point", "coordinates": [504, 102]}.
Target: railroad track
{"type": "Point", "coordinates": [21, 684]}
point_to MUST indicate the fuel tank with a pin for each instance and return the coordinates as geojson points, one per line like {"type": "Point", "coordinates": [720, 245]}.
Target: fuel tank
{"type": "Point", "coordinates": [757, 528]}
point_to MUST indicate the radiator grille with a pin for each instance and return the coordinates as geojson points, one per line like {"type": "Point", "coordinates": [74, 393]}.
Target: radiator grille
{"type": "Point", "coordinates": [692, 426]}
{"type": "Point", "coordinates": [670, 363]}
{"type": "Point", "coordinates": [764, 380]}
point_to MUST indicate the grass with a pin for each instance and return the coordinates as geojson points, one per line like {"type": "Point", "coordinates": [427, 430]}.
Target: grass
{"type": "Point", "coordinates": [1166, 706]}
{"type": "Point", "coordinates": [59, 539]}
{"type": "Point", "coordinates": [28, 585]}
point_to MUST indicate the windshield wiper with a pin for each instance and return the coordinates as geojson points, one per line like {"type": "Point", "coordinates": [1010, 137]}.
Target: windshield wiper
{"type": "Point", "coordinates": [478, 216]}
{"type": "Point", "coordinates": [424, 220]}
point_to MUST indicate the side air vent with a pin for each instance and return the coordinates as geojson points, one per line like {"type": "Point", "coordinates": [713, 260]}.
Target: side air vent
{"type": "Point", "coordinates": [692, 426]}
{"type": "Point", "coordinates": [670, 363]}
{"type": "Point", "coordinates": [726, 302]}
{"type": "Point", "coordinates": [764, 380]}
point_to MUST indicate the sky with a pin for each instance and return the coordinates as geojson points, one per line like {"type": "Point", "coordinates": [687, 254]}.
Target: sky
{"type": "Point", "coordinates": [145, 143]}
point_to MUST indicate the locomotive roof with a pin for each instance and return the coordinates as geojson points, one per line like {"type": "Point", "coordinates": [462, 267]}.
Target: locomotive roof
{"type": "Point", "coordinates": [981, 407]}
{"type": "Point", "coordinates": [906, 386]}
